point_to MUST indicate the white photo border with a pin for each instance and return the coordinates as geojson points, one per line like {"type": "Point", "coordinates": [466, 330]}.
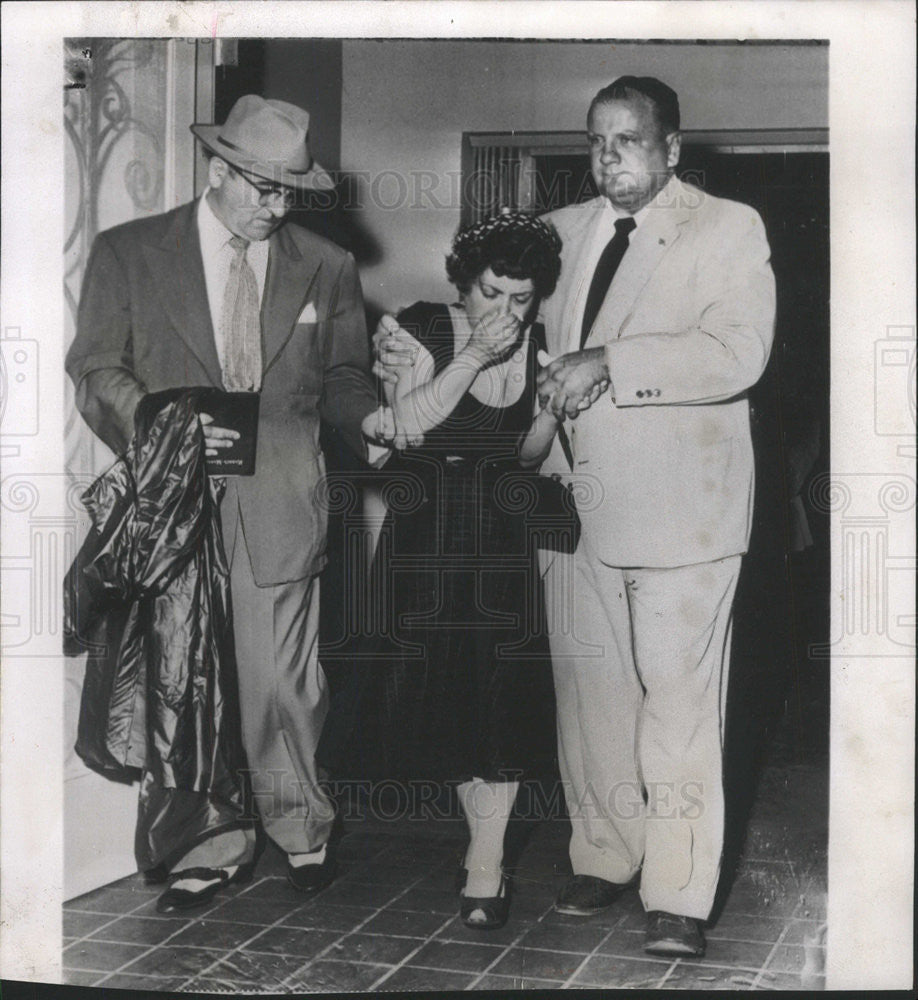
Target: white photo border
{"type": "Point", "coordinates": [872, 122]}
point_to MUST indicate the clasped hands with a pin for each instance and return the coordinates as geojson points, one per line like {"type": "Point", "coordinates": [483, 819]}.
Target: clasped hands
{"type": "Point", "coordinates": [395, 351]}
{"type": "Point", "coordinates": [573, 382]}
{"type": "Point", "coordinates": [395, 354]}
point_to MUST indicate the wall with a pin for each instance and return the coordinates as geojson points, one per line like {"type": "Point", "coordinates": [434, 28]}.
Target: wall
{"type": "Point", "coordinates": [307, 72]}
{"type": "Point", "coordinates": [405, 105]}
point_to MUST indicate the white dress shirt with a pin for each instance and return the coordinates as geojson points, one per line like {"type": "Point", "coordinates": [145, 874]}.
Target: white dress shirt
{"type": "Point", "coordinates": [603, 231]}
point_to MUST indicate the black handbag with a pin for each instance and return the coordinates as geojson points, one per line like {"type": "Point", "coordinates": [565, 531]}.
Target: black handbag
{"type": "Point", "coordinates": [545, 505]}
{"type": "Point", "coordinates": [555, 521]}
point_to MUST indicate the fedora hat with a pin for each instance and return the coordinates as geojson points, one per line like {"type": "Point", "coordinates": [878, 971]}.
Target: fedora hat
{"type": "Point", "coordinates": [267, 138]}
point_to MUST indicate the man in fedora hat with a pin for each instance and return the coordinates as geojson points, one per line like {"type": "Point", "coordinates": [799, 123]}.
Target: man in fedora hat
{"type": "Point", "coordinates": [220, 292]}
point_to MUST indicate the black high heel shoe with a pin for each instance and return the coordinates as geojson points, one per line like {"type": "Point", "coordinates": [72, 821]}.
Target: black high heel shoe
{"type": "Point", "coordinates": [496, 909]}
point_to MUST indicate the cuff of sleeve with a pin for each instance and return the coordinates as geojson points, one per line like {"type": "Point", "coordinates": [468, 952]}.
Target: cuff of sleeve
{"type": "Point", "coordinates": [377, 454]}
{"type": "Point", "coordinates": [82, 365]}
{"type": "Point", "coordinates": [609, 368]}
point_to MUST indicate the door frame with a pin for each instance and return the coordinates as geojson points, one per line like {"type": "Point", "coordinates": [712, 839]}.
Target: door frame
{"type": "Point", "coordinates": [99, 815]}
{"type": "Point", "coordinates": [481, 154]}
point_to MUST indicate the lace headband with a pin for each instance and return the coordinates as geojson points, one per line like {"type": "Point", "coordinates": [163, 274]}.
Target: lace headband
{"type": "Point", "coordinates": [507, 221]}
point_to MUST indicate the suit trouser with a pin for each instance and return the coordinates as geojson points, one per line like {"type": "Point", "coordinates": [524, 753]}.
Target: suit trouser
{"type": "Point", "coordinates": [283, 701]}
{"type": "Point", "coordinates": [640, 660]}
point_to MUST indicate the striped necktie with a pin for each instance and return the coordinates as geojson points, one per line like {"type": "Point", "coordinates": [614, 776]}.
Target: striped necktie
{"type": "Point", "coordinates": [241, 324]}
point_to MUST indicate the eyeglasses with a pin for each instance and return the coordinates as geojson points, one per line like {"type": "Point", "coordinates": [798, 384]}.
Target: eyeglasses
{"type": "Point", "coordinates": [268, 192]}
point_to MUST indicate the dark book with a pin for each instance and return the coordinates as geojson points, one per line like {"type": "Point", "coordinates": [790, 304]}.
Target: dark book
{"type": "Point", "coordinates": [237, 411]}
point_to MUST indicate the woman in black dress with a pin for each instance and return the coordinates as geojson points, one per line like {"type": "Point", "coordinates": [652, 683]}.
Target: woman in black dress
{"type": "Point", "coordinates": [453, 569]}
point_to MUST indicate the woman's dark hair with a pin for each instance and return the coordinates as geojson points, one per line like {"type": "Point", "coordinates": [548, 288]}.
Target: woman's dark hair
{"type": "Point", "coordinates": [514, 245]}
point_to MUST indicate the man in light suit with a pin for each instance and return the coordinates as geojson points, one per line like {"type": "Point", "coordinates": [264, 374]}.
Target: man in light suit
{"type": "Point", "coordinates": [661, 322]}
{"type": "Point", "coordinates": [220, 293]}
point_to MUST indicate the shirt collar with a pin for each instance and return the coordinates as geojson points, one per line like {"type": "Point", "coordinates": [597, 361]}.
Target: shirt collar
{"type": "Point", "coordinates": [211, 231]}
{"type": "Point", "coordinates": [639, 216]}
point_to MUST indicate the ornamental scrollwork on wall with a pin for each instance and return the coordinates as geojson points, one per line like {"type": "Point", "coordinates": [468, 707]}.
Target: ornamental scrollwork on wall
{"type": "Point", "coordinates": [114, 122]}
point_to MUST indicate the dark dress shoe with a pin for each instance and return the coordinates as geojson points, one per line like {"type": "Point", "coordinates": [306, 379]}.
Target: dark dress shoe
{"type": "Point", "coordinates": [495, 908]}
{"type": "Point", "coordinates": [587, 895]}
{"type": "Point", "coordinates": [187, 899]}
{"type": "Point", "coordinates": [310, 879]}
{"type": "Point", "coordinates": [672, 934]}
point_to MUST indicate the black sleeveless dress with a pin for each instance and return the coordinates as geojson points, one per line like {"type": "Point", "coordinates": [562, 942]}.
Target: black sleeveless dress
{"type": "Point", "coordinates": [458, 669]}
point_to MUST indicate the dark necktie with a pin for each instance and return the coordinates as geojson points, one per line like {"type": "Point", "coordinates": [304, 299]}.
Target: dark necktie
{"type": "Point", "coordinates": [606, 267]}
{"type": "Point", "coordinates": [241, 324]}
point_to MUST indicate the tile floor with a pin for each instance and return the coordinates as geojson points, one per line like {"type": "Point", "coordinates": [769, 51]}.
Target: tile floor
{"type": "Point", "coordinates": [389, 923]}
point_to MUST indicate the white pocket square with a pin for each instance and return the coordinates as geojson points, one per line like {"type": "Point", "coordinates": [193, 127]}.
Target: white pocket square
{"type": "Point", "coordinates": [308, 315]}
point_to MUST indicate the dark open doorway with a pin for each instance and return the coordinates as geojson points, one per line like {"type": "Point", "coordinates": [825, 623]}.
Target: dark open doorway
{"type": "Point", "coordinates": [779, 693]}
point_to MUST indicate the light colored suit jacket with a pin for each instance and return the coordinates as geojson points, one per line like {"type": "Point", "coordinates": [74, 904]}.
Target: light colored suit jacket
{"type": "Point", "coordinates": [144, 325]}
{"type": "Point", "coordinates": [687, 327]}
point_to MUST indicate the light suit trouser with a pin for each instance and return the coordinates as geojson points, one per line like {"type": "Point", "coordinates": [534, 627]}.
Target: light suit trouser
{"type": "Point", "coordinates": [283, 702]}
{"type": "Point", "coordinates": [640, 660]}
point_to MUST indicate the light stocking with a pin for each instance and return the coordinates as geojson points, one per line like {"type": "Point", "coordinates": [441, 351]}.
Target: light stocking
{"type": "Point", "coordinates": [487, 806]}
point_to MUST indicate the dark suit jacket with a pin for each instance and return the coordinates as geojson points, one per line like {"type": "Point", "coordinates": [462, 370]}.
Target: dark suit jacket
{"type": "Point", "coordinates": [144, 325]}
